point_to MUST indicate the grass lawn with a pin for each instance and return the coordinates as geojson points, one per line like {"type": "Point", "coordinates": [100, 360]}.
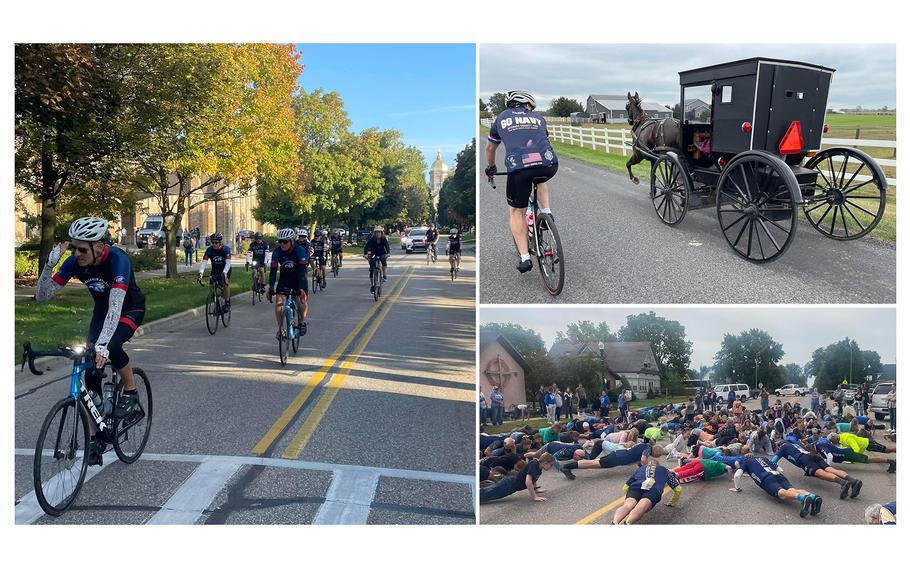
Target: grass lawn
{"type": "Point", "coordinates": [842, 126]}
{"type": "Point", "coordinates": [509, 425]}
{"type": "Point", "coordinates": [65, 319]}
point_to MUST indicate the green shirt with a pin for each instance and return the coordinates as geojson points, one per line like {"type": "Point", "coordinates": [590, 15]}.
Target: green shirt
{"type": "Point", "coordinates": [708, 453]}
{"type": "Point", "coordinates": [652, 433]}
{"type": "Point", "coordinates": [842, 426]}
{"type": "Point", "coordinates": [713, 468]}
{"type": "Point", "coordinates": [548, 435]}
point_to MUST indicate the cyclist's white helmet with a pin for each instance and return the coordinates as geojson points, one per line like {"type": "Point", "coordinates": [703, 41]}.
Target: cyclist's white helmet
{"type": "Point", "coordinates": [454, 231]}
{"type": "Point", "coordinates": [378, 229]}
{"type": "Point", "coordinates": [302, 233]}
{"type": "Point", "coordinates": [88, 229]}
{"type": "Point", "coordinates": [518, 98]}
{"type": "Point", "coordinates": [286, 234]}
{"type": "Point", "coordinates": [324, 232]}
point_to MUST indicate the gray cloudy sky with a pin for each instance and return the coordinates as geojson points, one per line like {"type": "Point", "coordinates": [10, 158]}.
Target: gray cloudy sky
{"type": "Point", "coordinates": [866, 73]}
{"type": "Point", "coordinates": [800, 330]}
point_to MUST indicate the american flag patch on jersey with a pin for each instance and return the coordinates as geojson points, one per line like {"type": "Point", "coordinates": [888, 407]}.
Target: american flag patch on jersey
{"type": "Point", "coordinates": [532, 158]}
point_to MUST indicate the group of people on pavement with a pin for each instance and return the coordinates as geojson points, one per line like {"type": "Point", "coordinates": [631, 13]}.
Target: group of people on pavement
{"type": "Point", "coordinates": [703, 439]}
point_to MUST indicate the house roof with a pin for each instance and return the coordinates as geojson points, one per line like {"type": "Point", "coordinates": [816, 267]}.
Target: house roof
{"type": "Point", "coordinates": [620, 356]}
{"type": "Point", "coordinates": [692, 103]}
{"type": "Point", "coordinates": [488, 336]}
{"type": "Point", "coordinates": [618, 102]}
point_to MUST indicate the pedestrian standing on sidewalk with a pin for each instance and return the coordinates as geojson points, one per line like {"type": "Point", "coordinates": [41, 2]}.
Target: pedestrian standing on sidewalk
{"type": "Point", "coordinates": [187, 250]}
{"type": "Point", "coordinates": [549, 400]}
{"type": "Point", "coordinates": [582, 399]}
{"type": "Point", "coordinates": [559, 403]}
{"type": "Point", "coordinates": [813, 401]}
{"type": "Point", "coordinates": [891, 397]}
{"type": "Point", "coordinates": [497, 405]}
{"type": "Point", "coordinates": [195, 233]}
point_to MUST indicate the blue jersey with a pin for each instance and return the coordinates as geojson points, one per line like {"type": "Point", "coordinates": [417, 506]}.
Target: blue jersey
{"type": "Point", "coordinates": [632, 455]}
{"type": "Point", "coordinates": [729, 460]}
{"type": "Point", "coordinates": [219, 258]}
{"type": "Point", "coordinates": [114, 271]}
{"type": "Point", "coordinates": [652, 478]}
{"type": "Point", "coordinates": [293, 267]}
{"type": "Point", "coordinates": [258, 251]}
{"type": "Point", "coordinates": [561, 450]}
{"type": "Point", "coordinates": [792, 453]}
{"type": "Point", "coordinates": [759, 469]}
{"type": "Point", "coordinates": [526, 139]}
{"type": "Point", "coordinates": [319, 245]}
{"type": "Point", "coordinates": [832, 452]}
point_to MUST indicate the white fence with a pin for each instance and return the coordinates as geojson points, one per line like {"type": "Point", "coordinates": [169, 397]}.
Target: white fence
{"type": "Point", "coordinates": [617, 141]}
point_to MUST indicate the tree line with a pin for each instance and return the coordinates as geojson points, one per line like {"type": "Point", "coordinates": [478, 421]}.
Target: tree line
{"type": "Point", "coordinates": [98, 126]}
{"type": "Point", "coordinates": [749, 357]}
{"type": "Point", "coordinates": [561, 106]}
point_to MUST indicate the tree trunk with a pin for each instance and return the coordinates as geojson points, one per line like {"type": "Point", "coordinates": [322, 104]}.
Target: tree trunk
{"type": "Point", "coordinates": [48, 226]}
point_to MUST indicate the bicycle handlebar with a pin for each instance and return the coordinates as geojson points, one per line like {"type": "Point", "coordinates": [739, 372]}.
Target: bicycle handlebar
{"type": "Point", "coordinates": [29, 355]}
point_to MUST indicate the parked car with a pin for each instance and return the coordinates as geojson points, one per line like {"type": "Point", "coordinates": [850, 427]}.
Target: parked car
{"type": "Point", "coordinates": [791, 390]}
{"type": "Point", "coordinates": [151, 232]}
{"type": "Point", "coordinates": [878, 405]}
{"type": "Point", "coordinates": [416, 240]}
{"type": "Point", "coordinates": [741, 391]}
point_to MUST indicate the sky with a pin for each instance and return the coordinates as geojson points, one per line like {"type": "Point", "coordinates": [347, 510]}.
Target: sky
{"type": "Point", "coordinates": [800, 330]}
{"type": "Point", "coordinates": [427, 92]}
{"type": "Point", "coordinates": [866, 73]}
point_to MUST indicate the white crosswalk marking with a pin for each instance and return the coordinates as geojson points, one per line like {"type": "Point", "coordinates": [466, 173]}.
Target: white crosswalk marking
{"type": "Point", "coordinates": [348, 499]}
{"type": "Point", "coordinates": [196, 493]}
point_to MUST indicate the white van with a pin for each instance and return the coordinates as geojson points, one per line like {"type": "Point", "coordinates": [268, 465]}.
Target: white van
{"type": "Point", "coordinates": [740, 390]}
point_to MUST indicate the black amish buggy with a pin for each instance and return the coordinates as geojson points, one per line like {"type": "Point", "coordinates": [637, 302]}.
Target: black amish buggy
{"type": "Point", "coordinates": [749, 143]}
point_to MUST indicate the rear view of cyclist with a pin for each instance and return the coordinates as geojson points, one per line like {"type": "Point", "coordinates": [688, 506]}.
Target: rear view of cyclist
{"type": "Point", "coordinates": [453, 248]}
{"type": "Point", "coordinates": [119, 305]}
{"type": "Point", "coordinates": [336, 244]}
{"type": "Point", "coordinates": [291, 259]}
{"type": "Point", "coordinates": [258, 249]}
{"type": "Point", "coordinates": [376, 250]}
{"type": "Point", "coordinates": [220, 255]}
{"type": "Point", "coordinates": [529, 156]}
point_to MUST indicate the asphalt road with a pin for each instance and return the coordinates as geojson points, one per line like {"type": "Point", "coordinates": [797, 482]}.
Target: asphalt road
{"type": "Point", "coordinates": [595, 495]}
{"type": "Point", "coordinates": [368, 423]}
{"type": "Point", "coordinates": [618, 251]}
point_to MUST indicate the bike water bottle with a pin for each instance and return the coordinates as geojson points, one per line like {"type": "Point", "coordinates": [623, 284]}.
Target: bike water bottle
{"type": "Point", "coordinates": [529, 215]}
{"type": "Point", "coordinates": [107, 405]}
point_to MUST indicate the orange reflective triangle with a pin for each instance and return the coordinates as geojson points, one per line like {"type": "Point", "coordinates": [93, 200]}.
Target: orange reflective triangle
{"type": "Point", "coordinates": [792, 142]}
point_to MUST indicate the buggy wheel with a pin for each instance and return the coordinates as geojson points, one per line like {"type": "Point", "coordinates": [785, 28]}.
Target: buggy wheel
{"type": "Point", "coordinates": [550, 260]}
{"type": "Point", "coordinates": [61, 456]}
{"type": "Point", "coordinates": [131, 433]}
{"type": "Point", "coordinates": [849, 195]}
{"type": "Point", "coordinates": [670, 188]}
{"type": "Point", "coordinates": [211, 313]}
{"type": "Point", "coordinates": [757, 200]}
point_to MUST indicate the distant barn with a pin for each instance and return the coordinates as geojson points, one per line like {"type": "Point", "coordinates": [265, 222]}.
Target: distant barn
{"type": "Point", "coordinates": [611, 109]}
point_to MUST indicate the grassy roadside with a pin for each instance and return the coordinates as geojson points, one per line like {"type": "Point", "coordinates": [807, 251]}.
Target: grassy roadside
{"type": "Point", "coordinates": [509, 425]}
{"type": "Point", "coordinates": [65, 319]}
{"type": "Point", "coordinates": [885, 231]}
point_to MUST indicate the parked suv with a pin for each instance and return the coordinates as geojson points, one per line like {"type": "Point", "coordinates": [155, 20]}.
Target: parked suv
{"type": "Point", "coordinates": [878, 404]}
{"type": "Point", "coordinates": [791, 390]}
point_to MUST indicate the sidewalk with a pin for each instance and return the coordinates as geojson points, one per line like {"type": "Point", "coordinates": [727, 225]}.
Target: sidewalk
{"type": "Point", "coordinates": [28, 292]}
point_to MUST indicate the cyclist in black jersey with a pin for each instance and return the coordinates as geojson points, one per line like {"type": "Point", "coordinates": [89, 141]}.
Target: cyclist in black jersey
{"type": "Point", "coordinates": [258, 249]}
{"type": "Point", "coordinates": [320, 243]}
{"type": "Point", "coordinates": [376, 250]}
{"type": "Point", "coordinates": [220, 255]}
{"type": "Point", "coordinates": [529, 156]}
{"type": "Point", "coordinates": [336, 243]}
{"type": "Point", "coordinates": [453, 247]}
{"type": "Point", "coordinates": [432, 237]}
{"type": "Point", "coordinates": [119, 305]}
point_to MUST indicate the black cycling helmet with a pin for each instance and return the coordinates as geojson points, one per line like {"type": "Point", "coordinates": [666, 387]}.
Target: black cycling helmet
{"type": "Point", "coordinates": [258, 235]}
{"type": "Point", "coordinates": [216, 238]}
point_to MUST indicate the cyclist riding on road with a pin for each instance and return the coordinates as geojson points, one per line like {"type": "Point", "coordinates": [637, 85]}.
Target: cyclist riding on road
{"type": "Point", "coordinates": [529, 156]}
{"type": "Point", "coordinates": [220, 256]}
{"type": "Point", "coordinates": [119, 305]}
{"type": "Point", "coordinates": [453, 247]}
{"type": "Point", "coordinates": [432, 238]}
{"type": "Point", "coordinates": [336, 243]}
{"type": "Point", "coordinates": [376, 250]}
{"type": "Point", "coordinates": [320, 243]}
{"type": "Point", "coordinates": [292, 259]}
{"type": "Point", "coordinates": [258, 249]}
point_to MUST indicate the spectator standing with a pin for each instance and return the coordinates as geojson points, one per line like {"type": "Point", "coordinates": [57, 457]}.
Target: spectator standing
{"type": "Point", "coordinates": [700, 401]}
{"type": "Point", "coordinates": [891, 397]}
{"type": "Point", "coordinates": [483, 409]}
{"type": "Point", "coordinates": [187, 250]}
{"type": "Point", "coordinates": [559, 403]}
{"type": "Point", "coordinates": [731, 396]}
{"type": "Point", "coordinates": [541, 400]}
{"type": "Point", "coordinates": [623, 407]}
{"type": "Point", "coordinates": [582, 398]}
{"type": "Point", "coordinates": [763, 395]}
{"type": "Point", "coordinates": [839, 399]}
{"type": "Point", "coordinates": [496, 405]}
{"type": "Point", "coordinates": [813, 401]}
{"type": "Point", "coordinates": [549, 400]}
{"type": "Point", "coordinates": [604, 404]}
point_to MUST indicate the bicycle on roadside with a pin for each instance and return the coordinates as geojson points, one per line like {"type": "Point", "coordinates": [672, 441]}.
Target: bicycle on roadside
{"type": "Point", "coordinates": [289, 333]}
{"type": "Point", "coordinates": [543, 241]}
{"type": "Point", "coordinates": [62, 452]}
{"type": "Point", "coordinates": [215, 304]}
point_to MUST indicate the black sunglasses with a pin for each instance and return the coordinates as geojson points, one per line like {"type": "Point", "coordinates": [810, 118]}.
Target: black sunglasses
{"type": "Point", "coordinates": [283, 241]}
{"type": "Point", "coordinates": [83, 250]}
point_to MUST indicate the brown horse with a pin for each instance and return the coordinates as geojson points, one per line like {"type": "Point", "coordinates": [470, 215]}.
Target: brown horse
{"type": "Point", "coordinates": [648, 133]}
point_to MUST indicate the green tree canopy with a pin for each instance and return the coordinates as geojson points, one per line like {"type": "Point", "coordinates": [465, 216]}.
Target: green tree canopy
{"type": "Point", "coordinates": [564, 107]}
{"type": "Point", "coordinates": [667, 338]}
{"type": "Point", "coordinates": [497, 103]}
{"type": "Point", "coordinates": [740, 356]}
{"type": "Point", "coordinates": [794, 374]}
{"type": "Point", "coordinates": [457, 196]}
{"type": "Point", "coordinates": [586, 331]}
{"type": "Point", "coordinates": [844, 360]}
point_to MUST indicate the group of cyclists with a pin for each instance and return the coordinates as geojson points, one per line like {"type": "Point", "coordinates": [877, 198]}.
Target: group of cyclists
{"type": "Point", "coordinates": [704, 444]}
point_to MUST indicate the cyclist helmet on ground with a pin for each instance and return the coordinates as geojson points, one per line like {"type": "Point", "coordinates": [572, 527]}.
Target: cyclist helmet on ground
{"type": "Point", "coordinates": [216, 238]}
{"type": "Point", "coordinates": [519, 98]}
{"type": "Point", "coordinates": [88, 229]}
{"type": "Point", "coordinates": [286, 234]}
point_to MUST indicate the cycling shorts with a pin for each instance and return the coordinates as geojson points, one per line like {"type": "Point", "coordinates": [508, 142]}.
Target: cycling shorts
{"type": "Point", "coordinates": [812, 463]}
{"type": "Point", "coordinates": [774, 483]}
{"type": "Point", "coordinates": [652, 494]}
{"type": "Point", "coordinates": [381, 259]}
{"type": "Point", "coordinates": [129, 321]}
{"type": "Point", "coordinates": [282, 290]}
{"type": "Point", "coordinates": [320, 257]}
{"type": "Point", "coordinates": [520, 182]}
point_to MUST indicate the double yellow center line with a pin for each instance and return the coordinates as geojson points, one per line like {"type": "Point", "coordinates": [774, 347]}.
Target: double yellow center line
{"type": "Point", "coordinates": [300, 440]}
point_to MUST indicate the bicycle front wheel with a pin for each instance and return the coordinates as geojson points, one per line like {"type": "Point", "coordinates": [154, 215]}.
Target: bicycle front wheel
{"type": "Point", "coordinates": [283, 345]}
{"type": "Point", "coordinates": [211, 313]}
{"type": "Point", "coordinates": [294, 320]}
{"type": "Point", "coordinates": [61, 456]}
{"type": "Point", "coordinates": [550, 259]}
{"type": "Point", "coordinates": [225, 314]}
{"type": "Point", "coordinates": [315, 283]}
{"type": "Point", "coordinates": [131, 433]}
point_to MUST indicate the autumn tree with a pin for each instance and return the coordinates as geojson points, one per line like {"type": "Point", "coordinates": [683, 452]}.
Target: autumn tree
{"type": "Point", "coordinates": [457, 196]}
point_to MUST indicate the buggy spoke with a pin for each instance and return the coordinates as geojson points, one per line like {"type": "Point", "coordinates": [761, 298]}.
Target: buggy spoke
{"type": "Point", "coordinates": [740, 235]}
{"type": "Point", "coordinates": [734, 198]}
{"type": "Point", "coordinates": [867, 182]}
{"type": "Point", "coordinates": [749, 247]}
{"type": "Point", "coordinates": [853, 177]}
{"type": "Point", "coordinates": [843, 220]}
{"type": "Point", "coordinates": [738, 219]}
{"type": "Point", "coordinates": [855, 220]}
{"type": "Point", "coordinates": [822, 218]}
{"type": "Point", "coordinates": [833, 221]}
{"type": "Point", "coordinates": [820, 204]}
{"type": "Point", "coordinates": [863, 209]}
{"type": "Point", "coordinates": [763, 218]}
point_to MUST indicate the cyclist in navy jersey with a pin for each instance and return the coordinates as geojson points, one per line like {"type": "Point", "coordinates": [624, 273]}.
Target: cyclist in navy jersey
{"type": "Point", "coordinates": [770, 478]}
{"type": "Point", "coordinates": [453, 247]}
{"type": "Point", "coordinates": [336, 243]}
{"type": "Point", "coordinates": [292, 260]}
{"type": "Point", "coordinates": [637, 453]}
{"type": "Point", "coordinates": [376, 250]}
{"type": "Point", "coordinates": [258, 250]}
{"type": "Point", "coordinates": [220, 255]}
{"type": "Point", "coordinates": [529, 156]}
{"type": "Point", "coordinates": [320, 243]}
{"type": "Point", "coordinates": [643, 490]}
{"type": "Point", "coordinates": [119, 305]}
{"type": "Point", "coordinates": [815, 465]}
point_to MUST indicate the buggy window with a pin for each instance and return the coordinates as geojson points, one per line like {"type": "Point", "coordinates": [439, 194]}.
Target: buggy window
{"type": "Point", "coordinates": [726, 94]}
{"type": "Point", "coordinates": [698, 104]}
